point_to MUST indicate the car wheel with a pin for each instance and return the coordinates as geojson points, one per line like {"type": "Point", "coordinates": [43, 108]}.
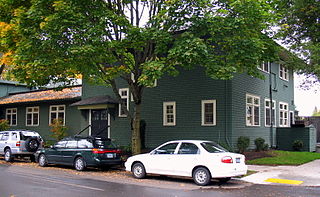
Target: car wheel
{"type": "Point", "coordinates": [79, 164]}
{"type": "Point", "coordinates": [32, 144]}
{"type": "Point", "coordinates": [201, 176]}
{"type": "Point", "coordinates": [138, 171]}
{"type": "Point", "coordinates": [8, 155]}
{"type": "Point", "coordinates": [43, 160]}
{"type": "Point", "coordinates": [224, 180]}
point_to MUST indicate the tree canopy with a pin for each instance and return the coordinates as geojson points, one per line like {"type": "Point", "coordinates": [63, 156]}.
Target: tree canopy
{"type": "Point", "coordinates": [135, 40]}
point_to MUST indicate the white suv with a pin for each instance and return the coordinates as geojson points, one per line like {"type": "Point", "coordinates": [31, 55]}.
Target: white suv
{"type": "Point", "coordinates": [19, 143]}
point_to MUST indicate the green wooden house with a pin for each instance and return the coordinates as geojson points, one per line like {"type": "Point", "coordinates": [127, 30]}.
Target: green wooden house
{"type": "Point", "coordinates": [194, 106]}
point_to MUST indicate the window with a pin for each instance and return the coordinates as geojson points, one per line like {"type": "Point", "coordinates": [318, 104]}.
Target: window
{"type": "Point", "coordinates": [11, 116]}
{"type": "Point", "coordinates": [268, 113]}
{"type": "Point", "coordinates": [71, 144]}
{"type": "Point", "coordinates": [32, 116]}
{"type": "Point", "coordinates": [167, 149]}
{"type": "Point", "coordinates": [283, 115]}
{"type": "Point", "coordinates": [5, 136]}
{"type": "Point", "coordinates": [60, 144]}
{"type": "Point", "coordinates": [253, 110]}
{"type": "Point", "coordinates": [188, 148]}
{"type": "Point", "coordinates": [265, 66]}
{"type": "Point", "coordinates": [169, 113]}
{"type": "Point", "coordinates": [83, 143]}
{"type": "Point", "coordinates": [208, 112]}
{"type": "Point", "coordinates": [283, 72]}
{"type": "Point", "coordinates": [292, 121]}
{"type": "Point", "coordinates": [124, 94]}
{"type": "Point", "coordinates": [57, 112]}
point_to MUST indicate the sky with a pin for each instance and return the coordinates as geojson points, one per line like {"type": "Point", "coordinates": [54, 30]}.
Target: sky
{"type": "Point", "coordinates": [305, 100]}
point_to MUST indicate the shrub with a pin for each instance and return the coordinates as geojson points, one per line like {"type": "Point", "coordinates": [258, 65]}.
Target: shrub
{"type": "Point", "coordinates": [243, 143]}
{"type": "Point", "coordinates": [265, 147]}
{"type": "Point", "coordinates": [4, 125]}
{"type": "Point", "coordinates": [59, 131]}
{"type": "Point", "coordinates": [260, 145]}
{"type": "Point", "coordinates": [297, 145]}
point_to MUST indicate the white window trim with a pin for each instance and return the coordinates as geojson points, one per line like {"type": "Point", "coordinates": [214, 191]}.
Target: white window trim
{"type": "Point", "coordinates": [32, 125]}
{"type": "Point", "coordinates": [64, 113]}
{"type": "Point", "coordinates": [265, 113]}
{"type": "Point", "coordinates": [281, 110]}
{"type": "Point", "coordinates": [203, 102]}
{"type": "Point", "coordinates": [11, 116]}
{"type": "Point", "coordinates": [254, 96]}
{"type": "Point", "coordinates": [291, 114]}
{"type": "Point", "coordinates": [165, 104]}
{"type": "Point", "coordinates": [284, 73]}
{"type": "Point", "coordinates": [123, 97]}
{"type": "Point", "coordinates": [262, 69]}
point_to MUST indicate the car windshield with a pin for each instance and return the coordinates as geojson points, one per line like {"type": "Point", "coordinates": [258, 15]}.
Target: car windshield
{"type": "Point", "coordinates": [104, 144]}
{"type": "Point", "coordinates": [212, 147]}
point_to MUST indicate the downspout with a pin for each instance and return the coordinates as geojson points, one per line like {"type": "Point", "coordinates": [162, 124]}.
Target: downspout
{"type": "Point", "coordinates": [226, 113]}
{"type": "Point", "coordinates": [271, 107]}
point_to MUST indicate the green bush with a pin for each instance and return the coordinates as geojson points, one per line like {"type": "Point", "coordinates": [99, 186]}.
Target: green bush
{"type": "Point", "coordinates": [243, 143]}
{"type": "Point", "coordinates": [297, 145]}
{"type": "Point", "coordinates": [59, 131]}
{"type": "Point", "coordinates": [260, 145]}
{"type": "Point", "coordinates": [4, 125]}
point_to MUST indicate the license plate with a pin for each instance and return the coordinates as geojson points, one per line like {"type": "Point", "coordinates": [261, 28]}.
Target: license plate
{"type": "Point", "coordinates": [110, 155]}
{"type": "Point", "coordinates": [237, 160]}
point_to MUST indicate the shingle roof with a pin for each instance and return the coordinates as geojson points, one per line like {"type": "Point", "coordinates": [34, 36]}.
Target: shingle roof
{"type": "Point", "coordinates": [42, 95]}
{"type": "Point", "coordinates": [96, 100]}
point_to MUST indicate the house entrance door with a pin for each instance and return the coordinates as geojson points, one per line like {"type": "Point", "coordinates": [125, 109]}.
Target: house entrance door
{"type": "Point", "coordinates": [99, 123]}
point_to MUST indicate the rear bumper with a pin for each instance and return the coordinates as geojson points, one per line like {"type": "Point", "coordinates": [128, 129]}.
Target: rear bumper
{"type": "Point", "coordinates": [100, 162]}
{"type": "Point", "coordinates": [18, 151]}
{"type": "Point", "coordinates": [232, 171]}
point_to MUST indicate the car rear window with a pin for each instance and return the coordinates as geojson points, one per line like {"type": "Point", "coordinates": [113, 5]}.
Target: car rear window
{"type": "Point", "coordinates": [212, 147]}
{"type": "Point", "coordinates": [104, 144]}
{"type": "Point", "coordinates": [24, 135]}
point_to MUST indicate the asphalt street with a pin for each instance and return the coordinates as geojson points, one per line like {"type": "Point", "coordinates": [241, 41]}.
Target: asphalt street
{"type": "Point", "coordinates": [22, 181]}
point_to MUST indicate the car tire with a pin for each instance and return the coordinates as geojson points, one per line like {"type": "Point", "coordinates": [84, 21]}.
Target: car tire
{"type": "Point", "coordinates": [138, 170]}
{"type": "Point", "coordinates": [224, 180]}
{"type": "Point", "coordinates": [42, 160]}
{"type": "Point", "coordinates": [32, 144]}
{"type": "Point", "coordinates": [201, 176]}
{"type": "Point", "coordinates": [79, 164]}
{"type": "Point", "coordinates": [8, 155]}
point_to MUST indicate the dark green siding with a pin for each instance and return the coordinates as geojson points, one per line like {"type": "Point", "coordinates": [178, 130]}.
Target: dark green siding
{"type": "Point", "coordinates": [72, 116]}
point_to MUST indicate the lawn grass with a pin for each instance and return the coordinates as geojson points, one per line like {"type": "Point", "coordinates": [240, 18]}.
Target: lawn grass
{"type": "Point", "coordinates": [285, 158]}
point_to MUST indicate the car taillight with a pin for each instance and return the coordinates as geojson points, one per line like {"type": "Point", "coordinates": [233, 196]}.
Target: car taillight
{"type": "Point", "coordinates": [18, 143]}
{"type": "Point", "coordinates": [101, 151]}
{"type": "Point", "coordinates": [227, 159]}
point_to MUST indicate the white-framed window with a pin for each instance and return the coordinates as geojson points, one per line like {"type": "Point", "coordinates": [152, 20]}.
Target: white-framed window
{"type": "Point", "coordinates": [283, 114]}
{"type": "Point", "coordinates": [11, 116]}
{"type": "Point", "coordinates": [292, 119]}
{"type": "Point", "coordinates": [169, 113]}
{"type": "Point", "coordinates": [57, 112]}
{"type": "Point", "coordinates": [268, 113]}
{"type": "Point", "coordinates": [265, 66]}
{"type": "Point", "coordinates": [283, 72]}
{"type": "Point", "coordinates": [32, 116]}
{"type": "Point", "coordinates": [124, 94]}
{"type": "Point", "coordinates": [208, 112]}
{"type": "Point", "coordinates": [252, 110]}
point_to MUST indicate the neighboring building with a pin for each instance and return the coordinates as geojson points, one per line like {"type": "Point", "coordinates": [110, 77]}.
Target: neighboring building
{"type": "Point", "coordinates": [194, 106]}
{"type": "Point", "coordinates": [7, 87]}
{"type": "Point", "coordinates": [36, 110]}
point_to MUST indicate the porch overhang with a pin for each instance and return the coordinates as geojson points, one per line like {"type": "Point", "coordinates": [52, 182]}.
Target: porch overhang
{"type": "Point", "coordinates": [98, 102]}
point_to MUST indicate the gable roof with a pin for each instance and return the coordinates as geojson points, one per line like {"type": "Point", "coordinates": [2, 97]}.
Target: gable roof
{"type": "Point", "coordinates": [70, 93]}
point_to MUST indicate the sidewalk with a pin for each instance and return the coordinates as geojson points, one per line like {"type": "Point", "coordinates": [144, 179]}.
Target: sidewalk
{"type": "Point", "coordinates": [304, 175]}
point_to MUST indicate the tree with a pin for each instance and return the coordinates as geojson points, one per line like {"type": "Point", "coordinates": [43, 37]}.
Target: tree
{"type": "Point", "coordinates": [316, 112]}
{"type": "Point", "coordinates": [300, 30]}
{"type": "Point", "coordinates": [138, 41]}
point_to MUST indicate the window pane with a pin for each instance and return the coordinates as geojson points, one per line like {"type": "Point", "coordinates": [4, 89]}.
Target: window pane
{"type": "Point", "coordinates": [53, 108]}
{"type": "Point", "coordinates": [256, 116]}
{"type": "Point", "coordinates": [167, 149]}
{"type": "Point", "coordinates": [61, 108]}
{"type": "Point", "coordinates": [35, 119]}
{"type": "Point", "coordinates": [188, 148]}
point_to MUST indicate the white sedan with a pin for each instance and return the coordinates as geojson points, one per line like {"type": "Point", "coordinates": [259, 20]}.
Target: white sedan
{"type": "Point", "coordinates": [201, 160]}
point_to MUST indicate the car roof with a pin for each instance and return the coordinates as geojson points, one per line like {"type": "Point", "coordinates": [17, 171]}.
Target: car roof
{"type": "Point", "coordinates": [192, 141]}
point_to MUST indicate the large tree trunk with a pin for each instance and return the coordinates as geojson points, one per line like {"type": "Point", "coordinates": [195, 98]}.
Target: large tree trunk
{"type": "Point", "coordinates": [136, 137]}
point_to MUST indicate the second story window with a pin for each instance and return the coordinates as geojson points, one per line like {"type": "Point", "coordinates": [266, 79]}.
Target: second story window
{"type": "Point", "coordinates": [169, 113]}
{"type": "Point", "coordinates": [11, 116]}
{"type": "Point", "coordinates": [32, 116]}
{"type": "Point", "coordinates": [252, 110]}
{"type": "Point", "coordinates": [283, 72]}
{"type": "Point", "coordinates": [265, 66]}
{"type": "Point", "coordinates": [57, 112]}
{"type": "Point", "coordinates": [124, 94]}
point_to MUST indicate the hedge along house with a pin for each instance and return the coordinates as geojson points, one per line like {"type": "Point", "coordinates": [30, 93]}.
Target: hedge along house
{"type": "Point", "coordinates": [36, 110]}
{"type": "Point", "coordinates": [194, 106]}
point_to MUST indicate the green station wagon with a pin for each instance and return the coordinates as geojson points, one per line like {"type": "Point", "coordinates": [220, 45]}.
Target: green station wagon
{"type": "Point", "coordinates": [81, 152]}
